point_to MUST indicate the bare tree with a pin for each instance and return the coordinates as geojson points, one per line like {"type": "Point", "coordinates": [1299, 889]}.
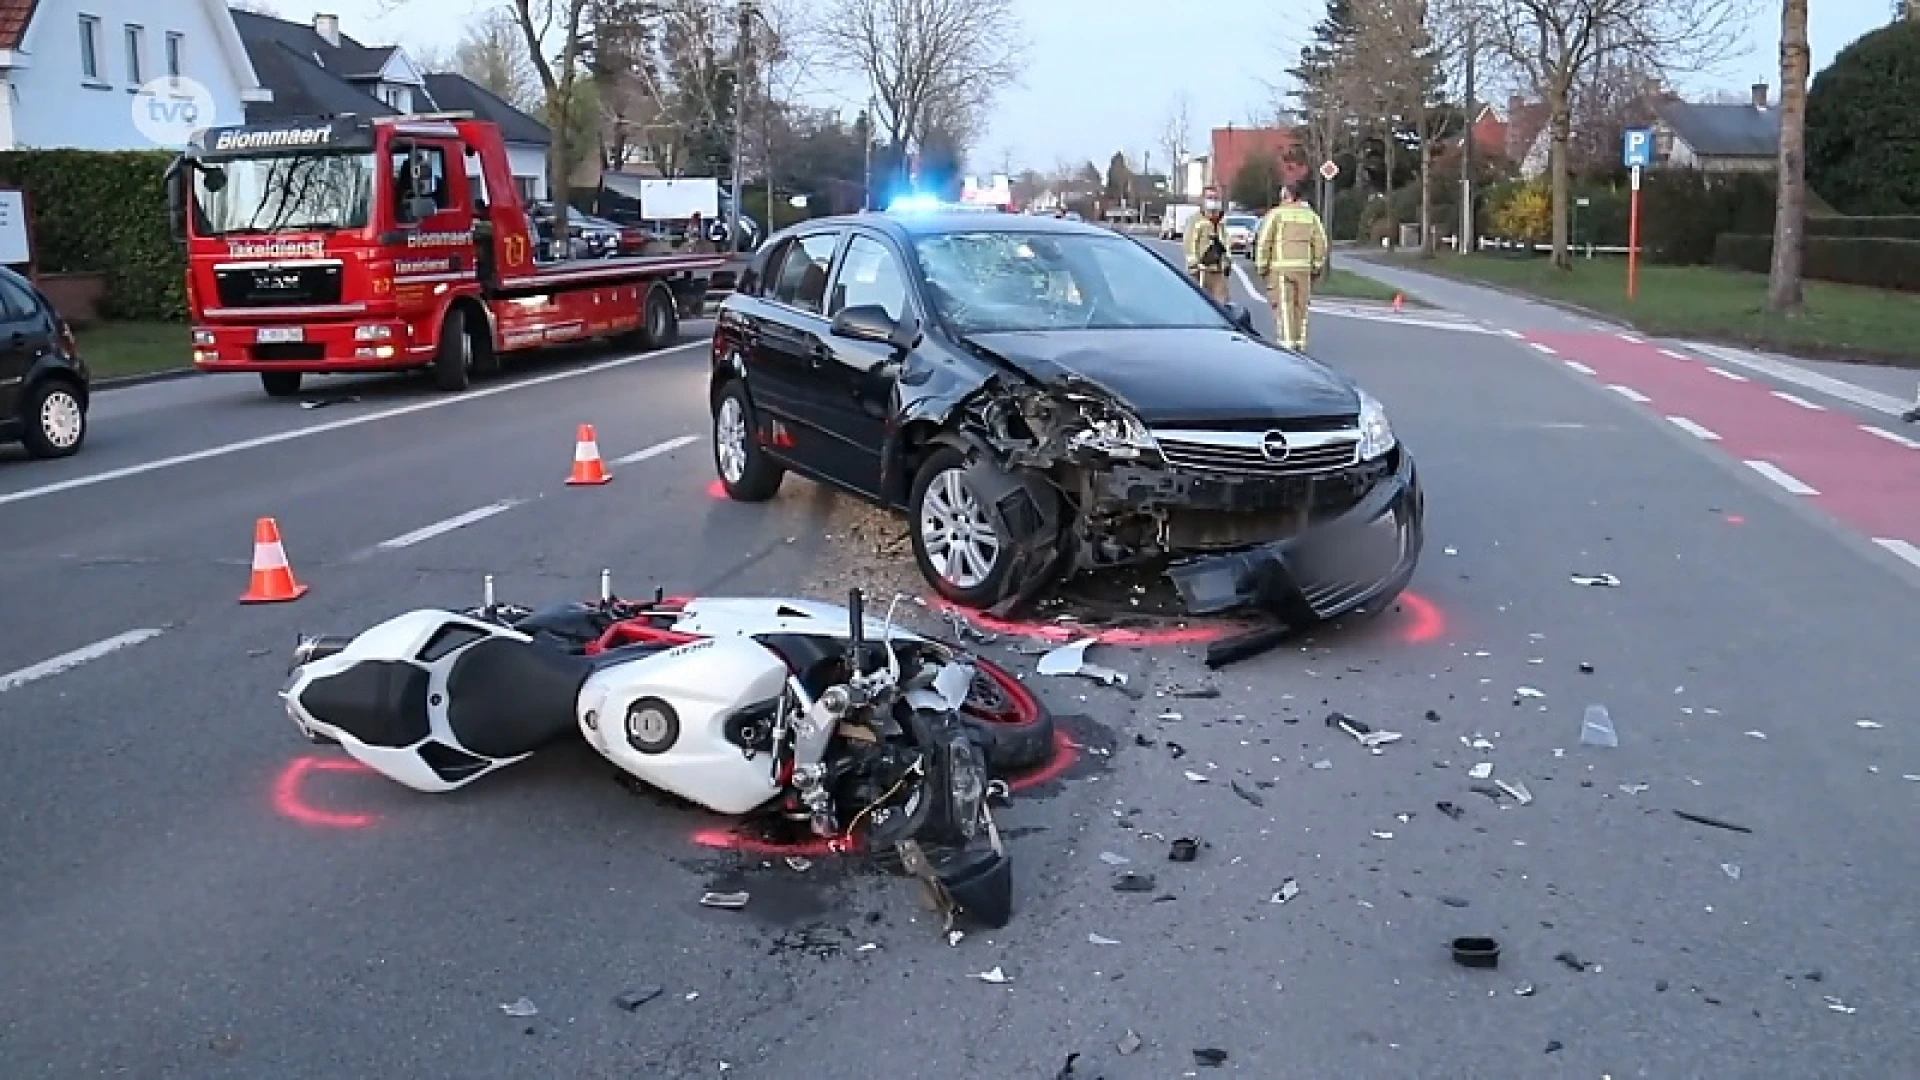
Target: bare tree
{"type": "Point", "coordinates": [1174, 136]}
{"type": "Point", "coordinates": [1784, 294]}
{"type": "Point", "coordinates": [553, 31]}
{"type": "Point", "coordinates": [933, 65]}
{"type": "Point", "coordinates": [1395, 40]}
{"type": "Point", "coordinates": [493, 54]}
{"type": "Point", "coordinates": [1549, 44]}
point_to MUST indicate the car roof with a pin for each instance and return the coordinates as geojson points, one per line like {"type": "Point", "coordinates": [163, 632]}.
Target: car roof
{"type": "Point", "coordinates": [906, 226]}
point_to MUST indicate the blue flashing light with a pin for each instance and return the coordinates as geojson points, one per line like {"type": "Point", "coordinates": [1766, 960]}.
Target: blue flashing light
{"type": "Point", "coordinates": [915, 203]}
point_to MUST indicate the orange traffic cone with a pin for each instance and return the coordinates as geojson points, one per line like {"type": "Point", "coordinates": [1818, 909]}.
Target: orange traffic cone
{"type": "Point", "coordinates": [1398, 299]}
{"type": "Point", "coordinates": [587, 466]}
{"type": "Point", "coordinates": [272, 576]}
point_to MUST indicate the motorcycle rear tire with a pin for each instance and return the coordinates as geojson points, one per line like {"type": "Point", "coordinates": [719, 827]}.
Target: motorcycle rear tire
{"type": "Point", "coordinates": [1017, 739]}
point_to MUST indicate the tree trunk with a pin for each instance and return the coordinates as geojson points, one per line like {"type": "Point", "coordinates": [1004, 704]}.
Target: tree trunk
{"type": "Point", "coordinates": [1426, 197]}
{"type": "Point", "coordinates": [560, 162]}
{"type": "Point", "coordinates": [1386, 154]}
{"type": "Point", "coordinates": [1558, 164]}
{"type": "Point", "coordinates": [1784, 294]}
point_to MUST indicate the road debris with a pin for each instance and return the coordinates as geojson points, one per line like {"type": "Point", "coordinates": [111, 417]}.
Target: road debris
{"type": "Point", "coordinates": [631, 1000]}
{"type": "Point", "coordinates": [1454, 901]}
{"type": "Point", "coordinates": [1249, 796]}
{"type": "Point", "coordinates": [1732, 870]}
{"type": "Point", "coordinates": [1287, 891]}
{"type": "Point", "coordinates": [1597, 581]}
{"type": "Point", "coordinates": [1210, 1058]}
{"type": "Point", "coordinates": [732, 901]}
{"type": "Point", "coordinates": [1197, 778]}
{"type": "Point", "coordinates": [993, 975]}
{"type": "Point", "coordinates": [1702, 819]}
{"type": "Point", "coordinates": [1867, 725]}
{"type": "Point", "coordinates": [1450, 810]}
{"type": "Point", "coordinates": [1554, 1046]}
{"type": "Point", "coordinates": [1096, 939]}
{"type": "Point", "coordinates": [1476, 952]}
{"type": "Point", "coordinates": [1193, 691]}
{"type": "Point", "coordinates": [1596, 729]}
{"type": "Point", "coordinates": [522, 1008]}
{"type": "Point", "coordinates": [1571, 962]}
{"type": "Point", "coordinates": [1517, 790]}
{"type": "Point", "coordinates": [1185, 849]}
{"type": "Point", "coordinates": [1071, 659]}
{"type": "Point", "coordinates": [798, 864]}
{"type": "Point", "coordinates": [1111, 859]}
{"type": "Point", "coordinates": [1481, 771]}
{"type": "Point", "coordinates": [1066, 1071]}
{"type": "Point", "coordinates": [1323, 764]}
{"type": "Point", "coordinates": [1834, 1004]}
{"type": "Point", "coordinates": [1756, 735]}
{"type": "Point", "coordinates": [1132, 881]}
{"type": "Point", "coordinates": [1129, 1043]}
{"type": "Point", "coordinates": [1363, 734]}
{"type": "Point", "coordinates": [1382, 834]}
{"type": "Point", "coordinates": [1523, 990]}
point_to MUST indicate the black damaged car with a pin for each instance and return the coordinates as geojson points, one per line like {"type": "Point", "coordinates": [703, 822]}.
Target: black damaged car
{"type": "Point", "coordinates": [1044, 398]}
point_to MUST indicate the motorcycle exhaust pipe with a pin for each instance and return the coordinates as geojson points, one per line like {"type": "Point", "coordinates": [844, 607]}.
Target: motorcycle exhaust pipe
{"type": "Point", "coordinates": [318, 648]}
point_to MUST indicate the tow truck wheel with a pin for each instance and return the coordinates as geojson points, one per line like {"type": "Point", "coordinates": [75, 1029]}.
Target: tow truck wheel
{"type": "Point", "coordinates": [453, 363]}
{"type": "Point", "coordinates": [659, 321]}
{"type": "Point", "coordinates": [280, 383]}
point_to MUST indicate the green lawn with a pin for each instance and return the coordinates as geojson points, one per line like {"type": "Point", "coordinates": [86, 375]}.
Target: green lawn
{"type": "Point", "coordinates": [117, 349]}
{"type": "Point", "coordinates": [1347, 285]}
{"type": "Point", "coordinates": [1840, 321]}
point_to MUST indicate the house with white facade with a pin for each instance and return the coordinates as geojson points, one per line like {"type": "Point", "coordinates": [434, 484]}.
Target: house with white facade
{"type": "Point", "coordinates": [69, 69]}
{"type": "Point", "coordinates": [315, 70]}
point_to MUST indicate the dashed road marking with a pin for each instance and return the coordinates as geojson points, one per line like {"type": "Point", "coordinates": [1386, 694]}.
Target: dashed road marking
{"type": "Point", "coordinates": [1514, 334]}
{"type": "Point", "coordinates": [438, 528]}
{"type": "Point", "coordinates": [1838, 389]}
{"type": "Point", "coordinates": [1578, 366]}
{"type": "Point", "coordinates": [1548, 349]}
{"type": "Point", "coordinates": [1902, 549]}
{"type": "Point", "coordinates": [1793, 399]}
{"type": "Point", "coordinates": [1630, 339]}
{"type": "Point", "coordinates": [1725, 374]}
{"type": "Point", "coordinates": [1692, 428]}
{"type": "Point", "coordinates": [1630, 393]}
{"type": "Point", "coordinates": [1892, 437]}
{"type": "Point", "coordinates": [1781, 477]}
{"type": "Point", "coordinates": [657, 449]}
{"type": "Point", "coordinates": [67, 661]}
{"type": "Point", "coordinates": [1671, 355]}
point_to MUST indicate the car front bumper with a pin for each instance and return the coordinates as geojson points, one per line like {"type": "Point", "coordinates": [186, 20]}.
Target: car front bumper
{"type": "Point", "coordinates": [1365, 556]}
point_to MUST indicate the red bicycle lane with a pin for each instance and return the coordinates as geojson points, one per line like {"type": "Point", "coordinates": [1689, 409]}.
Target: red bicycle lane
{"type": "Point", "coordinates": [1869, 482]}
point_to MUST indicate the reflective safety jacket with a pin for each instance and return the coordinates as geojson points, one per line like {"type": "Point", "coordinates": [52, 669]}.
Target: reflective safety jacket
{"type": "Point", "coordinates": [1291, 238]}
{"type": "Point", "coordinates": [1202, 231]}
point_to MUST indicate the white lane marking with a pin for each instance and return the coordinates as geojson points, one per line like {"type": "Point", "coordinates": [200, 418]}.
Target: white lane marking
{"type": "Point", "coordinates": [1891, 437]}
{"type": "Point", "coordinates": [1780, 476]}
{"type": "Point", "coordinates": [657, 449]}
{"type": "Point", "coordinates": [1725, 374]}
{"type": "Point", "coordinates": [1578, 366]}
{"type": "Point", "coordinates": [1400, 320]}
{"type": "Point", "coordinates": [1548, 349]}
{"type": "Point", "coordinates": [457, 521]}
{"type": "Point", "coordinates": [1692, 428]}
{"type": "Point", "coordinates": [1800, 401]}
{"type": "Point", "coordinates": [1514, 334]}
{"type": "Point", "coordinates": [1838, 389]}
{"type": "Point", "coordinates": [1671, 355]}
{"type": "Point", "coordinates": [1629, 393]}
{"type": "Point", "coordinates": [1630, 339]}
{"type": "Point", "coordinates": [1246, 280]}
{"type": "Point", "coordinates": [1901, 548]}
{"type": "Point", "coordinates": [333, 425]}
{"type": "Point", "coordinates": [67, 661]}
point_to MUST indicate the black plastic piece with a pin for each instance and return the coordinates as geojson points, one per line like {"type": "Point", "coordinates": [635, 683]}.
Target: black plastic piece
{"type": "Point", "coordinates": [980, 883]}
{"type": "Point", "coordinates": [1185, 849]}
{"type": "Point", "coordinates": [448, 640]}
{"type": "Point", "coordinates": [1476, 952]}
{"type": "Point", "coordinates": [379, 702]}
{"type": "Point", "coordinates": [451, 764]}
{"type": "Point", "coordinates": [506, 698]}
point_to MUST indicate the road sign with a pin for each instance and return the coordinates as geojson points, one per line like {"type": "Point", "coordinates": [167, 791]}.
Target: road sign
{"type": "Point", "coordinates": [1328, 170]}
{"type": "Point", "coordinates": [1637, 148]}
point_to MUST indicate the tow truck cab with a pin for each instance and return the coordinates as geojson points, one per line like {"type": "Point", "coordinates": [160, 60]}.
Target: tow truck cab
{"type": "Point", "coordinates": [355, 244]}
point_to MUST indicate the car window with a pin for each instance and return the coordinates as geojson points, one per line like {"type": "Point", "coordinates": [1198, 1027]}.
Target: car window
{"type": "Point", "coordinates": [870, 275]}
{"type": "Point", "coordinates": [1004, 280]}
{"type": "Point", "coordinates": [16, 302]}
{"type": "Point", "coordinates": [803, 272]}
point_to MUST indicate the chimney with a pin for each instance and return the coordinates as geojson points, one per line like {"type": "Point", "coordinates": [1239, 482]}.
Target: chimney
{"type": "Point", "coordinates": [328, 27]}
{"type": "Point", "coordinates": [1759, 95]}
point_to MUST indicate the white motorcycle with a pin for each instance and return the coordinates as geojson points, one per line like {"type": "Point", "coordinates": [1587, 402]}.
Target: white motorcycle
{"type": "Point", "coordinates": [737, 705]}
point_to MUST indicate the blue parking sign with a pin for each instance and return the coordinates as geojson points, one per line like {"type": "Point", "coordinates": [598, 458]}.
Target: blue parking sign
{"type": "Point", "coordinates": [1637, 150]}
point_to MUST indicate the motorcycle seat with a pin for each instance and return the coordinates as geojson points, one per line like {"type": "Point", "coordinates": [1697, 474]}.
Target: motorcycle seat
{"type": "Point", "coordinates": [507, 697]}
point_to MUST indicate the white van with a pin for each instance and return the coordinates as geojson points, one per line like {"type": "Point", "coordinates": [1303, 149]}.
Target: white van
{"type": "Point", "coordinates": [1173, 223]}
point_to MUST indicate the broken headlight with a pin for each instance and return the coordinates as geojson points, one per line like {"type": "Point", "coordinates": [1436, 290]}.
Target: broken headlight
{"type": "Point", "coordinates": [1108, 429]}
{"type": "Point", "coordinates": [1376, 435]}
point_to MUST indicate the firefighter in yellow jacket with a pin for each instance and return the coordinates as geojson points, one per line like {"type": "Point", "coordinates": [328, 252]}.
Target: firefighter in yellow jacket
{"type": "Point", "coordinates": [1207, 257]}
{"type": "Point", "coordinates": [1290, 254]}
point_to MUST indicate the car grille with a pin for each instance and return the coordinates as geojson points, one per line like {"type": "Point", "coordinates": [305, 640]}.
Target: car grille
{"type": "Point", "coordinates": [1378, 547]}
{"type": "Point", "coordinates": [1246, 453]}
{"type": "Point", "coordinates": [281, 286]}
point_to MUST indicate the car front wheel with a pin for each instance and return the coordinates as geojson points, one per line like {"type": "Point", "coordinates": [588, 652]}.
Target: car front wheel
{"type": "Point", "coordinates": [56, 422]}
{"type": "Point", "coordinates": [958, 539]}
{"type": "Point", "coordinates": [746, 473]}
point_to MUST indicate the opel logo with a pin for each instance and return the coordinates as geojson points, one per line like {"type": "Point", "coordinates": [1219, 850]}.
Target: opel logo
{"type": "Point", "coordinates": [1274, 445]}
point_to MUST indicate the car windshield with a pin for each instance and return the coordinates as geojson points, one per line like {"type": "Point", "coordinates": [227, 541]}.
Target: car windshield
{"type": "Point", "coordinates": [283, 193]}
{"type": "Point", "coordinates": [1243, 221]}
{"type": "Point", "coordinates": [990, 281]}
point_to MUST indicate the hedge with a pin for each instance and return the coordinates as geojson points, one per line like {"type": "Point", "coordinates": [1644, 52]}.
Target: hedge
{"type": "Point", "coordinates": [1875, 262]}
{"type": "Point", "coordinates": [1884, 228]}
{"type": "Point", "coordinates": [1683, 212]}
{"type": "Point", "coordinates": [104, 212]}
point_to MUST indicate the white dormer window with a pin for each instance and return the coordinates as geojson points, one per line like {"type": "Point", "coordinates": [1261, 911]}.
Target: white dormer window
{"type": "Point", "coordinates": [397, 97]}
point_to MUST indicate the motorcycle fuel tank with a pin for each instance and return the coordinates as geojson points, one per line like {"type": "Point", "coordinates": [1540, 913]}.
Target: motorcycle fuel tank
{"type": "Point", "coordinates": [662, 717]}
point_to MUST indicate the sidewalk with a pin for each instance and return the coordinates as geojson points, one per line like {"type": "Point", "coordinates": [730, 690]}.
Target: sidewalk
{"type": "Point", "coordinates": [1883, 392]}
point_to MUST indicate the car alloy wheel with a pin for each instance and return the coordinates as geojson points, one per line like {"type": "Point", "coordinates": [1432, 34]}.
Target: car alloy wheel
{"type": "Point", "coordinates": [958, 535]}
{"type": "Point", "coordinates": [61, 419]}
{"type": "Point", "coordinates": [730, 440]}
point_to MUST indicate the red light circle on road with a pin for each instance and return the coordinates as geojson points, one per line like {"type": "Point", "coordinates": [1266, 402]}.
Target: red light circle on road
{"type": "Point", "coordinates": [289, 793]}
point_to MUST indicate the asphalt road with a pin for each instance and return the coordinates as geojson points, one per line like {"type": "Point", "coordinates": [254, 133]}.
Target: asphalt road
{"type": "Point", "coordinates": [194, 891]}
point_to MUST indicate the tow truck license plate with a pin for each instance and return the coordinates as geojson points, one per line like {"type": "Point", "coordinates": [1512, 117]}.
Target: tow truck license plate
{"type": "Point", "coordinates": [280, 335]}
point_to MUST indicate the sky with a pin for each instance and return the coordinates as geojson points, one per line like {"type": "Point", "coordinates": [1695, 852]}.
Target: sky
{"type": "Point", "coordinates": [1106, 75]}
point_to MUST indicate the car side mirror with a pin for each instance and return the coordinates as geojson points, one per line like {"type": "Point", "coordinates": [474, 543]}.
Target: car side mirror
{"type": "Point", "coordinates": [1241, 317]}
{"type": "Point", "coordinates": [420, 209]}
{"type": "Point", "coordinates": [866, 322]}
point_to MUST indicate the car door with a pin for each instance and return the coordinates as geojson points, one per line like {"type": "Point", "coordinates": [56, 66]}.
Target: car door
{"type": "Point", "coordinates": [858, 387]}
{"type": "Point", "coordinates": [790, 348]}
{"type": "Point", "coordinates": [24, 338]}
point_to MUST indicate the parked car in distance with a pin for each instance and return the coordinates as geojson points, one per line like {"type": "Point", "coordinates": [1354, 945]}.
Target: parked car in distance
{"type": "Point", "coordinates": [1043, 397]}
{"type": "Point", "coordinates": [44, 384]}
{"type": "Point", "coordinates": [1239, 230]}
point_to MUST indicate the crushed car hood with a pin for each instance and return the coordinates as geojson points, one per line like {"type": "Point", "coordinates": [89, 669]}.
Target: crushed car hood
{"type": "Point", "coordinates": [1180, 376]}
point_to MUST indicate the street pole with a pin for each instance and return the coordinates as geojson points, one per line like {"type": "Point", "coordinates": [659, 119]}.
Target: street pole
{"type": "Point", "coordinates": [1469, 240]}
{"type": "Point", "coordinates": [866, 185]}
{"type": "Point", "coordinates": [1633, 237]}
{"type": "Point", "coordinates": [735, 197]}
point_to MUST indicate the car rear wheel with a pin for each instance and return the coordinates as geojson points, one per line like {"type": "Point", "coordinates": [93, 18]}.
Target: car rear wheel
{"type": "Point", "coordinates": [958, 538]}
{"type": "Point", "coordinates": [745, 472]}
{"type": "Point", "coordinates": [659, 320]}
{"type": "Point", "coordinates": [56, 422]}
{"type": "Point", "coordinates": [280, 383]}
{"type": "Point", "coordinates": [453, 363]}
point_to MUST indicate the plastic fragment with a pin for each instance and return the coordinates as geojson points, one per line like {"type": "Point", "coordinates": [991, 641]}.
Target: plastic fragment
{"type": "Point", "coordinates": [1481, 771]}
{"type": "Point", "coordinates": [1323, 764]}
{"type": "Point", "coordinates": [1597, 728]}
{"type": "Point", "coordinates": [1072, 660]}
{"type": "Point", "coordinates": [1516, 789]}
{"type": "Point", "coordinates": [993, 975]}
{"type": "Point", "coordinates": [1210, 1058]}
{"type": "Point", "coordinates": [1196, 777]}
{"type": "Point", "coordinates": [1732, 870]}
{"type": "Point", "coordinates": [1524, 990]}
{"type": "Point", "coordinates": [1287, 891]}
{"type": "Point", "coordinates": [1866, 725]}
{"type": "Point", "coordinates": [1249, 796]}
{"type": "Point", "coordinates": [732, 901]}
{"type": "Point", "coordinates": [798, 864]}
{"type": "Point", "coordinates": [1702, 819]}
{"type": "Point", "coordinates": [1382, 834]}
{"type": "Point", "coordinates": [1599, 581]}
{"type": "Point", "coordinates": [631, 1000]}
{"type": "Point", "coordinates": [1131, 881]}
{"type": "Point", "coordinates": [1096, 939]}
{"type": "Point", "coordinates": [521, 1008]}
{"type": "Point", "coordinates": [1111, 859]}
{"type": "Point", "coordinates": [1129, 1043]}
{"type": "Point", "coordinates": [1450, 810]}
{"type": "Point", "coordinates": [955, 937]}
{"type": "Point", "coordinates": [1834, 1004]}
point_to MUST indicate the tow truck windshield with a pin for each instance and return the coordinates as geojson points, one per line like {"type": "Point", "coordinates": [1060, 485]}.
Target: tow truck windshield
{"type": "Point", "coordinates": [283, 193]}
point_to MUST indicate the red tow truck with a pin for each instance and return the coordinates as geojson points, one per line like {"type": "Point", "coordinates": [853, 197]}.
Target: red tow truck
{"type": "Point", "coordinates": [353, 244]}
